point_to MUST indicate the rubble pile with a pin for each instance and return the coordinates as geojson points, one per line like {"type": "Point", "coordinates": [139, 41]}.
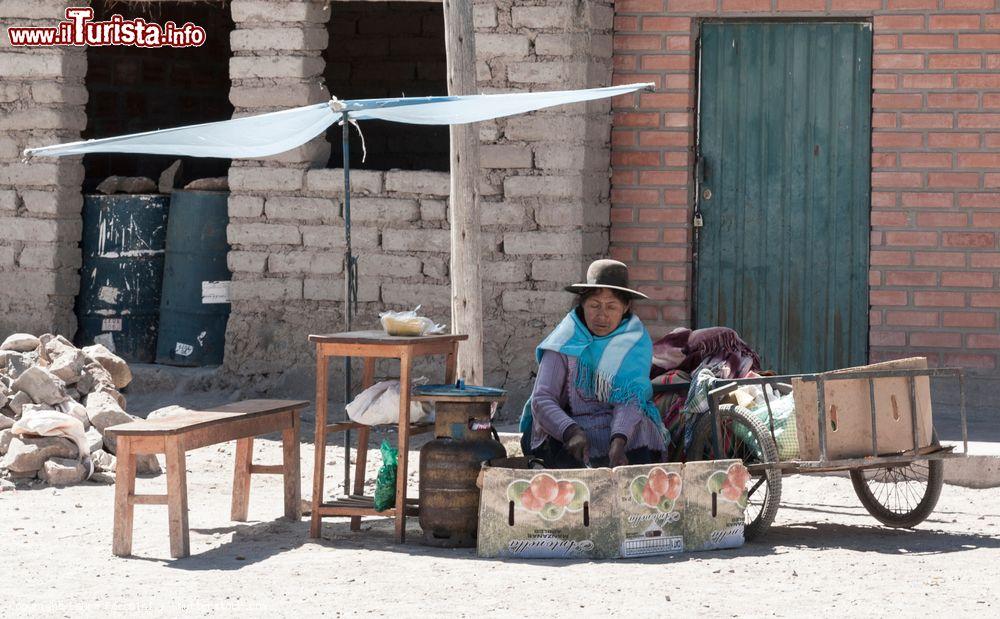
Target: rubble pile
{"type": "Point", "coordinates": [55, 403]}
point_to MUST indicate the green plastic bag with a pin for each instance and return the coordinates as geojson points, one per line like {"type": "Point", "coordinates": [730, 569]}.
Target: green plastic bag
{"type": "Point", "coordinates": [385, 483]}
{"type": "Point", "coordinates": [786, 433]}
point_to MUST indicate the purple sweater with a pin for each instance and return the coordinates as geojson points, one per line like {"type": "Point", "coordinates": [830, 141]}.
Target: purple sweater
{"type": "Point", "coordinates": [556, 404]}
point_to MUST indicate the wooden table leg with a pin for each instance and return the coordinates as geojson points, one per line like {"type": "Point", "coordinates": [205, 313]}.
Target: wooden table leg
{"type": "Point", "coordinates": [361, 459]}
{"type": "Point", "coordinates": [241, 479]}
{"type": "Point", "coordinates": [124, 490]}
{"type": "Point", "coordinates": [177, 508]}
{"type": "Point", "coordinates": [290, 466]}
{"type": "Point", "coordinates": [404, 445]}
{"type": "Point", "coordinates": [319, 467]}
{"type": "Point", "coordinates": [451, 365]}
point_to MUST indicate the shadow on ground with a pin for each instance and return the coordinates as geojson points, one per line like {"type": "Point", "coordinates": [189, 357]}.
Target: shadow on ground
{"type": "Point", "coordinates": [874, 538]}
{"type": "Point", "coordinates": [250, 544]}
{"type": "Point", "coordinates": [256, 542]}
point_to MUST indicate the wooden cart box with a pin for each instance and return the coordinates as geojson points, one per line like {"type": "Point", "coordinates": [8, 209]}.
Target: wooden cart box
{"type": "Point", "coordinates": [628, 511]}
{"type": "Point", "coordinates": [848, 417]}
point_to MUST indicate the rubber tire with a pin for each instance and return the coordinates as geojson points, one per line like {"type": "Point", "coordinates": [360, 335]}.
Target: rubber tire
{"type": "Point", "coordinates": [935, 480]}
{"type": "Point", "coordinates": [701, 444]}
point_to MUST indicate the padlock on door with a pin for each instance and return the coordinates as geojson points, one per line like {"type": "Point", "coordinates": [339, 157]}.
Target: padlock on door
{"type": "Point", "coordinates": [704, 193]}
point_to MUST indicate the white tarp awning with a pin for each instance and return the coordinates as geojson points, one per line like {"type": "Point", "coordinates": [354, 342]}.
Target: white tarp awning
{"type": "Point", "coordinates": [269, 134]}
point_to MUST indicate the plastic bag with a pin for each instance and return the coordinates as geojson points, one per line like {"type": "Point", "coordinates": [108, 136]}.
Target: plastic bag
{"type": "Point", "coordinates": [43, 422]}
{"type": "Point", "coordinates": [409, 323]}
{"type": "Point", "coordinates": [385, 483]}
{"type": "Point", "coordinates": [379, 405]}
{"type": "Point", "coordinates": [785, 426]}
{"type": "Point", "coordinates": [757, 391]}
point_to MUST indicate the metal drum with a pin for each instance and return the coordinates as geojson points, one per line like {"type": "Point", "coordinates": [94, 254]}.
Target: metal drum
{"type": "Point", "coordinates": [123, 246]}
{"type": "Point", "coordinates": [450, 465]}
{"type": "Point", "coordinates": [195, 304]}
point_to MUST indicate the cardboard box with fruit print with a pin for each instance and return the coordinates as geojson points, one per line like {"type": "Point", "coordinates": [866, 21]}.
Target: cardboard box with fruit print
{"type": "Point", "coordinates": [550, 513]}
{"type": "Point", "coordinates": [716, 499]}
{"type": "Point", "coordinates": [650, 509]}
{"type": "Point", "coordinates": [606, 513]}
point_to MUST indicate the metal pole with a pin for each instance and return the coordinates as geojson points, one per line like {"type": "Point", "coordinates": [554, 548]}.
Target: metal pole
{"type": "Point", "coordinates": [871, 398]}
{"type": "Point", "coordinates": [965, 427]}
{"type": "Point", "coordinates": [713, 409]}
{"type": "Point", "coordinates": [348, 287]}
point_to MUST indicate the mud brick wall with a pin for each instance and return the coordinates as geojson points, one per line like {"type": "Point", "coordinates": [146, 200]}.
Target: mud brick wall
{"type": "Point", "coordinates": [42, 100]}
{"type": "Point", "coordinates": [277, 63]}
{"type": "Point", "coordinates": [935, 238]}
{"type": "Point", "coordinates": [544, 184]}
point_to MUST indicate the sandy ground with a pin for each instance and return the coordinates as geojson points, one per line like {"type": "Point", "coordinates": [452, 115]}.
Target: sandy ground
{"type": "Point", "coordinates": [824, 556]}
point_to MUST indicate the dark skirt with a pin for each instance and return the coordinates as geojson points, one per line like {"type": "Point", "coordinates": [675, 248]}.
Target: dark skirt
{"type": "Point", "coordinates": [553, 454]}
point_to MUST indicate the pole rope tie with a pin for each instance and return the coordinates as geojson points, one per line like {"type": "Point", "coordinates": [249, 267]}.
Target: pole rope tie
{"type": "Point", "coordinates": [338, 107]}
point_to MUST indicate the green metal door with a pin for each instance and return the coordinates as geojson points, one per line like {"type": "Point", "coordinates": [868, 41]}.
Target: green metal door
{"type": "Point", "coordinates": [784, 188]}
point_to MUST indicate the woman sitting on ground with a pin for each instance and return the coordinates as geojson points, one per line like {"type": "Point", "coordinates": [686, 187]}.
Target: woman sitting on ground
{"type": "Point", "coordinates": [591, 402]}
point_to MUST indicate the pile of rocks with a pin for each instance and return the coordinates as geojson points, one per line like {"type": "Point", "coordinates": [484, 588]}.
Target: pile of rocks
{"type": "Point", "coordinates": [49, 378]}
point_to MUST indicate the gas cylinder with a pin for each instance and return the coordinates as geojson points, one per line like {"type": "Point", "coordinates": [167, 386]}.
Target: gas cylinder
{"type": "Point", "coordinates": [449, 467]}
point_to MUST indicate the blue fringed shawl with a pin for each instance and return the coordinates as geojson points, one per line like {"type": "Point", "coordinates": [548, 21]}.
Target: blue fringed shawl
{"type": "Point", "coordinates": [613, 368]}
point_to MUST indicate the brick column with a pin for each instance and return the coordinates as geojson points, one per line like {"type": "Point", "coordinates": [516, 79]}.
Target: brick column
{"type": "Point", "coordinates": [652, 147]}
{"type": "Point", "coordinates": [277, 64]}
{"type": "Point", "coordinates": [42, 99]}
{"type": "Point", "coordinates": [545, 203]}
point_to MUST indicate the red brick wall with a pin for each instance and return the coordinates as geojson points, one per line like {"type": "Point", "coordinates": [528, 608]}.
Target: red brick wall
{"type": "Point", "coordinates": [935, 258]}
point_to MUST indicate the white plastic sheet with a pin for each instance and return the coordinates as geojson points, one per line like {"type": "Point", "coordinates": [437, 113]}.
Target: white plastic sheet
{"type": "Point", "coordinates": [475, 108]}
{"type": "Point", "coordinates": [379, 405]}
{"type": "Point", "coordinates": [53, 423]}
{"type": "Point", "coordinates": [269, 134]}
{"type": "Point", "coordinates": [251, 136]}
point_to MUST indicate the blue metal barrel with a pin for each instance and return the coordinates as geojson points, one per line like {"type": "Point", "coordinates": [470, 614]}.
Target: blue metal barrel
{"type": "Point", "coordinates": [123, 249]}
{"type": "Point", "coordinates": [195, 305]}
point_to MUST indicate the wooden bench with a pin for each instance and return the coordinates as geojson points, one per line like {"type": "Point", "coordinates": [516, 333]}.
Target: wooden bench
{"type": "Point", "coordinates": [173, 436]}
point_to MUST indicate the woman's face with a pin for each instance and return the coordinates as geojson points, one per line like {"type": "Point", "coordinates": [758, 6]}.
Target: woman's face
{"type": "Point", "coordinates": [603, 311]}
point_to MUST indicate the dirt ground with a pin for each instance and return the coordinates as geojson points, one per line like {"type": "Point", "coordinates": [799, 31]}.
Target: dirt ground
{"type": "Point", "coordinates": [824, 556]}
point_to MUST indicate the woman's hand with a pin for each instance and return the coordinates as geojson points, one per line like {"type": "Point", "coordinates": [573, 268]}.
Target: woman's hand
{"type": "Point", "coordinates": [576, 445]}
{"type": "Point", "coordinates": [616, 452]}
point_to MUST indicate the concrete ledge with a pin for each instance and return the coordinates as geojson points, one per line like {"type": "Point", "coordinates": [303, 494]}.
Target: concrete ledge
{"type": "Point", "coordinates": [973, 472]}
{"type": "Point", "coordinates": [981, 469]}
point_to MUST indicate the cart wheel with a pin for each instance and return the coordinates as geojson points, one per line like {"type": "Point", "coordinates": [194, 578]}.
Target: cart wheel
{"type": "Point", "coordinates": [755, 447]}
{"type": "Point", "coordinates": [900, 496]}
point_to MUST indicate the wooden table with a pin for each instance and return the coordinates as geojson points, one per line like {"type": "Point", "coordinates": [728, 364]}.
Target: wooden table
{"type": "Point", "coordinates": [174, 435]}
{"type": "Point", "coordinates": [372, 345]}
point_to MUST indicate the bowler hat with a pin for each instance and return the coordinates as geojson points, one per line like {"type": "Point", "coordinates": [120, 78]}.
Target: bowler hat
{"type": "Point", "coordinates": [606, 274]}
